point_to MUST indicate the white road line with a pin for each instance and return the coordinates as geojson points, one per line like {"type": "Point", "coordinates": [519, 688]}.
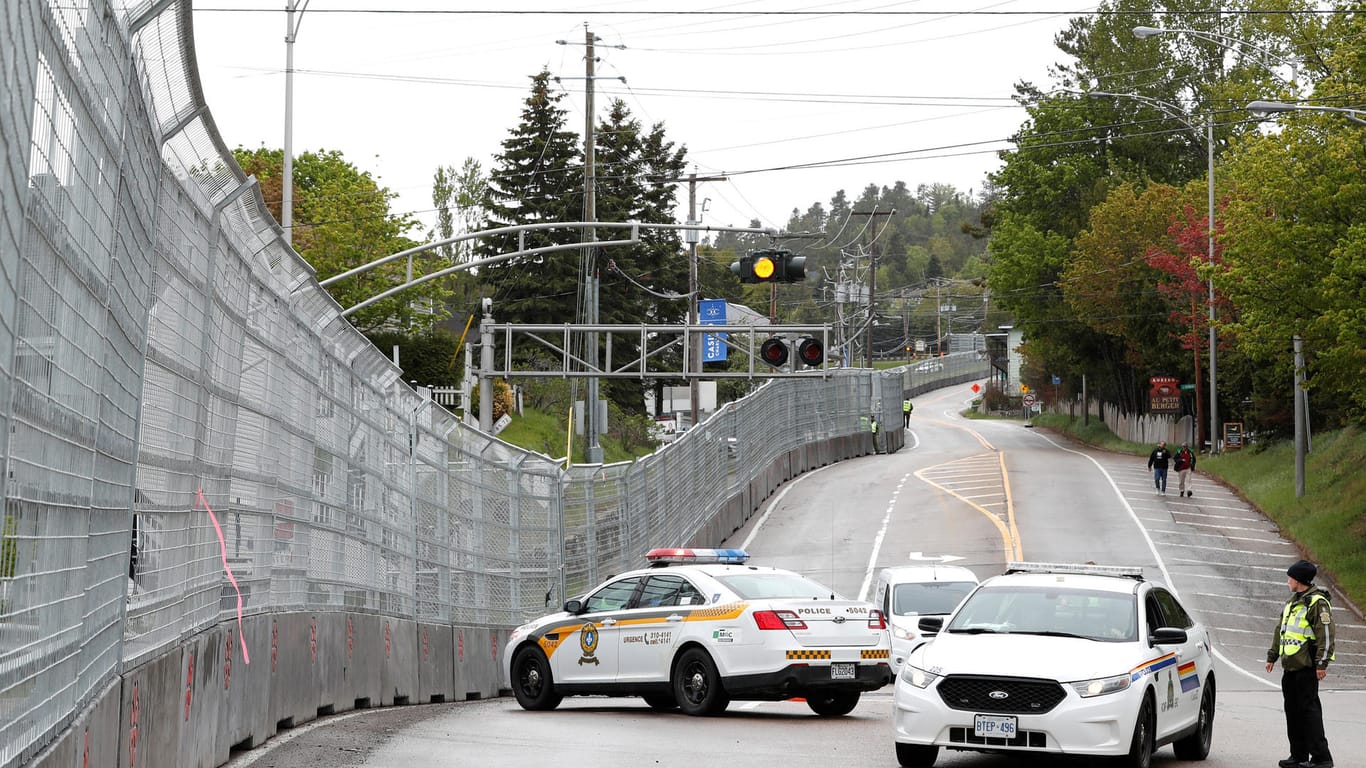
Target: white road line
{"type": "Point", "coordinates": [1152, 547]}
{"type": "Point", "coordinates": [877, 548]}
{"type": "Point", "coordinates": [1230, 538]}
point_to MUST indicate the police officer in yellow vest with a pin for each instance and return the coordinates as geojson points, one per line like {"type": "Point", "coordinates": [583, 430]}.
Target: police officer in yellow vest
{"type": "Point", "coordinates": [906, 409]}
{"type": "Point", "coordinates": [1304, 643]}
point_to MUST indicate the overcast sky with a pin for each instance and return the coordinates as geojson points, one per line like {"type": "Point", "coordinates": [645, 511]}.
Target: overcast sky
{"type": "Point", "coordinates": [876, 91]}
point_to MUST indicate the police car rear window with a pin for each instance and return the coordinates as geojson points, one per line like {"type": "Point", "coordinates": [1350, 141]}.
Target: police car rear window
{"type": "Point", "coordinates": [759, 586]}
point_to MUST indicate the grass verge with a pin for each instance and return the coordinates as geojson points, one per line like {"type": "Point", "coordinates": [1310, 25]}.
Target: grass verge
{"type": "Point", "coordinates": [1328, 522]}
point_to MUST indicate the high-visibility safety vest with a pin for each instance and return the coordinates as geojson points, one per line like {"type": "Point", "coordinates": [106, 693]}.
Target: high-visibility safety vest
{"type": "Point", "coordinates": [906, 406]}
{"type": "Point", "coordinates": [875, 426]}
{"type": "Point", "coordinates": [1296, 631]}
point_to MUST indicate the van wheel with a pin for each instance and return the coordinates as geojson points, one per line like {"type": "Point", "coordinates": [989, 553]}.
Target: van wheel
{"type": "Point", "coordinates": [832, 703]}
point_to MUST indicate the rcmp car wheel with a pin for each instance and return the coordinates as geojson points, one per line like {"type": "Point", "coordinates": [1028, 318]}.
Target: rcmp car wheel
{"type": "Point", "coordinates": [697, 684]}
{"type": "Point", "coordinates": [531, 681]}
{"type": "Point", "coordinates": [1196, 746]}
{"type": "Point", "coordinates": [833, 703]}
{"type": "Point", "coordinates": [1141, 747]}
{"type": "Point", "coordinates": [916, 755]}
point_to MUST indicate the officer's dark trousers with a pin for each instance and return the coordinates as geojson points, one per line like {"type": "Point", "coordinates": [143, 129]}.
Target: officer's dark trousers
{"type": "Point", "coordinates": [1304, 715]}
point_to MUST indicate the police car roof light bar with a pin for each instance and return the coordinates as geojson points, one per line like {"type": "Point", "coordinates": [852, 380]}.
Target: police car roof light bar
{"type": "Point", "coordinates": [684, 556]}
{"type": "Point", "coordinates": [1088, 569]}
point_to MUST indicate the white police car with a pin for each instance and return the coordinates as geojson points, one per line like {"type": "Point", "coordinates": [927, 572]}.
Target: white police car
{"type": "Point", "coordinates": [1064, 659]}
{"type": "Point", "coordinates": [698, 629]}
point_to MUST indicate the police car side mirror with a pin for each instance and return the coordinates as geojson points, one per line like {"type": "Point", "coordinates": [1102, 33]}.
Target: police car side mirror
{"type": "Point", "coordinates": [1167, 636]}
{"type": "Point", "coordinates": [931, 624]}
{"type": "Point", "coordinates": [573, 605]}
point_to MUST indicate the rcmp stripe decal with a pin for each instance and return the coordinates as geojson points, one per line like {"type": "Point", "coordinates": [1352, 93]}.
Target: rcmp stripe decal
{"type": "Point", "coordinates": [1152, 665]}
{"type": "Point", "coordinates": [875, 654]}
{"type": "Point", "coordinates": [819, 655]}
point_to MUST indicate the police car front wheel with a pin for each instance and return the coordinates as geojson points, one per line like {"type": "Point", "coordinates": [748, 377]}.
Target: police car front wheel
{"type": "Point", "coordinates": [916, 755]}
{"type": "Point", "coordinates": [531, 681]}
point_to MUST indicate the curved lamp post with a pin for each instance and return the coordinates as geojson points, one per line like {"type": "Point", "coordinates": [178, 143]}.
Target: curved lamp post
{"type": "Point", "coordinates": [1177, 113]}
{"type": "Point", "coordinates": [1270, 107]}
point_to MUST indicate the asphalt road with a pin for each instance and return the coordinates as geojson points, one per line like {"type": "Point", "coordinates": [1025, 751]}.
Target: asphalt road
{"type": "Point", "coordinates": [975, 493]}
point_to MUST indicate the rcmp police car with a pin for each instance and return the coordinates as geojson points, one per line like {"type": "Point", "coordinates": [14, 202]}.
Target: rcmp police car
{"type": "Point", "coordinates": [698, 629]}
{"type": "Point", "coordinates": [1070, 659]}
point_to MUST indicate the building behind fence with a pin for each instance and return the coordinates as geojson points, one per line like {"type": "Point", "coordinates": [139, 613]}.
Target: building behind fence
{"type": "Point", "coordinates": [224, 512]}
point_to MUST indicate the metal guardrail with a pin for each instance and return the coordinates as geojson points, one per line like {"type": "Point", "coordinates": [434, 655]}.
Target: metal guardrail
{"type": "Point", "coordinates": [193, 426]}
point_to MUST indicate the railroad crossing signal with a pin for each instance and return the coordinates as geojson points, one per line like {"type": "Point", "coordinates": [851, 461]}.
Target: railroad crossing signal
{"type": "Point", "coordinates": [810, 352]}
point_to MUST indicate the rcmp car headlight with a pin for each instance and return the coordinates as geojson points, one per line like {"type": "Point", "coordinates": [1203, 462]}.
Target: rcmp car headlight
{"type": "Point", "coordinates": [917, 676]}
{"type": "Point", "coordinates": [1101, 686]}
{"type": "Point", "coordinates": [901, 633]}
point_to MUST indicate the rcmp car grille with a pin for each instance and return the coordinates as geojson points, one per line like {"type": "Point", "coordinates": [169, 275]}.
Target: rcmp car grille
{"type": "Point", "coordinates": [1005, 695]}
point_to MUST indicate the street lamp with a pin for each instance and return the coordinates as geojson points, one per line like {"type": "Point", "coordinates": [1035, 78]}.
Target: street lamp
{"type": "Point", "coordinates": [1269, 107]}
{"type": "Point", "coordinates": [1222, 40]}
{"type": "Point", "coordinates": [1175, 112]}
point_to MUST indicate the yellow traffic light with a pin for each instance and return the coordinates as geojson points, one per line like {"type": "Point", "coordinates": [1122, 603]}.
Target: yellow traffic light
{"type": "Point", "coordinates": [764, 267]}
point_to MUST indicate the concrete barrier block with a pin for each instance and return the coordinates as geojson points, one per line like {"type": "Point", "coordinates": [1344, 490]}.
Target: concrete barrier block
{"type": "Point", "coordinates": [293, 669]}
{"type": "Point", "coordinates": [333, 692]}
{"type": "Point", "coordinates": [398, 683]}
{"type": "Point", "coordinates": [92, 739]}
{"type": "Point", "coordinates": [149, 721]}
{"type": "Point", "coordinates": [365, 664]}
{"type": "Point", "coordinates": [204, 709]}
{"type": "Point", "coordinates": [246, 682]}
{"type": "Point", "coordinates": [436, 663]}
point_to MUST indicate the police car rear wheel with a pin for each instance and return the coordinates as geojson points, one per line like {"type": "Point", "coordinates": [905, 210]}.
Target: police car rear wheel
{"type": "Point", "coordinates": [531, 681]}
{"type": "Point", "coordinates": [697, 684]}
{"type": "Point", "coordinates": [832, 703]}
{"type": "Point", "coordinates": [916, 755]}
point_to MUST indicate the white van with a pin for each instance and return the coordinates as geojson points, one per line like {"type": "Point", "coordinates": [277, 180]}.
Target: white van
{"type": "Point", "coordinates": [905, 593]}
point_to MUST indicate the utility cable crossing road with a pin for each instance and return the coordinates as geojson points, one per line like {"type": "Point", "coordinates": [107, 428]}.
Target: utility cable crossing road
{"type": "Point", "coordinates": [975, 493]}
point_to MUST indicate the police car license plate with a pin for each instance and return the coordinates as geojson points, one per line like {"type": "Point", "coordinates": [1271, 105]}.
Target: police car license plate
{"type": "Point", "coordinates": [842, 671]}
{"type": "Point", "coordinates": [999, 726]}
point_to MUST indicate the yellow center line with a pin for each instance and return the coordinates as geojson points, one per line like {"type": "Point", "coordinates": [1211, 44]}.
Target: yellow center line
{"type": "Point", "coordinates": [1010, 534]}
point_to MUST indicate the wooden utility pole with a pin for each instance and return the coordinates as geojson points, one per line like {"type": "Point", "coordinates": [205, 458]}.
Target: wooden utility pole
{"type": "Point", "coordinates": [872, 279]}
{"type": "Point", "coordinates": [695, 343]}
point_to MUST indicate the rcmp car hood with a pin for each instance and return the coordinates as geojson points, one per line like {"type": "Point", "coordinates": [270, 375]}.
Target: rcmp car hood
{"type": "Point", "coordinates": [1063, 659]}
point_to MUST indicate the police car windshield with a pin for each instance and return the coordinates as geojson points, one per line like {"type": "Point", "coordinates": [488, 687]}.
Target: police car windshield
{"type": "Point", "coordinates": [762, 585]}
{"type": "Point", "coordinates": [1103, 616]}
{"type": "Point", "coordinates": [928, 598]}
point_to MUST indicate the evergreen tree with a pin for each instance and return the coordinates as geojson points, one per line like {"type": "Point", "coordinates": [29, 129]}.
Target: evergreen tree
{"type": "Point", "coordinates": [536, 178]}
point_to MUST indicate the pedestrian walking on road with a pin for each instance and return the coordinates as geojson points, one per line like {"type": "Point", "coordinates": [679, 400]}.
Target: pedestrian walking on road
{"type": "Point", "coordinates": [1303, 642]}
{"type": "Point", "coordinates": [1184, 464]}
{"type": "Point", "coordinates": [1157, 462]}
{"type": "Point", "coordinates": [906, 408]}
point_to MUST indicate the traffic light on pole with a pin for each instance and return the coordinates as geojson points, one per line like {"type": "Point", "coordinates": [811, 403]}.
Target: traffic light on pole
{"type": "Point", "coordinates": [770, 266]}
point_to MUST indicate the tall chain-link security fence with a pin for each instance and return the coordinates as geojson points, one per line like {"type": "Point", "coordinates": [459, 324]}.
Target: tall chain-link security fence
{"type": "Point", "coordinates": [194, 433]}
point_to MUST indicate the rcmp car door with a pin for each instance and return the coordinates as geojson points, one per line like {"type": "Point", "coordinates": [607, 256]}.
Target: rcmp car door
{"type": "Point", "coordinates": [1163, 671]}
{"type": "Point", "coordinates": [652, 629]}
{"type": "Point", "coordinates": [590, 651]}
{"type": "Point", "coordinates": [1180, 690]}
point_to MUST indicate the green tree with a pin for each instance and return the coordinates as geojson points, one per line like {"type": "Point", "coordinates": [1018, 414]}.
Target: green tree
{"type": "Point", "coordinates": [537, 178]}
{"type": "Point", "coordinates": [342, 219]}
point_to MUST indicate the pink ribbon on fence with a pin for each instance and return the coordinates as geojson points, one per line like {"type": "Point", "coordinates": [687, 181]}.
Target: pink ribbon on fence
{"type": "Point", "coordinates": [223, 549]}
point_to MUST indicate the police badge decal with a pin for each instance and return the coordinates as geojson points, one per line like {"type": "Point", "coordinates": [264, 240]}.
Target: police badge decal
{"type": "Point", "coordinates": [588, 641]}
